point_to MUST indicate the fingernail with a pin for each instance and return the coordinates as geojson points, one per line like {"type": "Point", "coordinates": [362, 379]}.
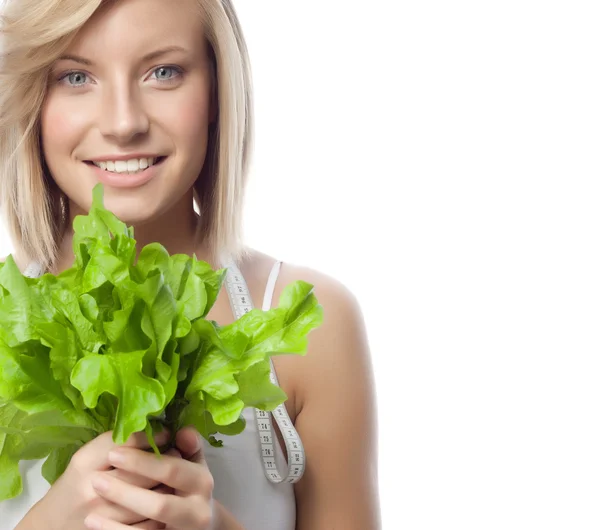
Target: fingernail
{"type": "Point", "coordinates": [92, 523]}
{"type": "Point", "coordinates": [100, 484]}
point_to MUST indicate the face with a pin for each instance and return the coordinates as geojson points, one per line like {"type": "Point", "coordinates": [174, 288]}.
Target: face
{"type": "Point", "coordinates": [129, 105]}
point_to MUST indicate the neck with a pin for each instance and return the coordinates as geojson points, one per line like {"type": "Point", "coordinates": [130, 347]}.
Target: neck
{"type": "Point", "coordinates": [177, 230]}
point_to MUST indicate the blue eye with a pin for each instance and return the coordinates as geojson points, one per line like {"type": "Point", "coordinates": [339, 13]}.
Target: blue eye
{"type": "Point", "coordinates": [166, 73]}
{"type": "Point", "coordinates": [75, 78]}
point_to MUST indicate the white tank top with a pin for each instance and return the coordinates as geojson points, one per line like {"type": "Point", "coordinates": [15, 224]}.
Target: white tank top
{"type": "Point", "coordinates": [240, 481]}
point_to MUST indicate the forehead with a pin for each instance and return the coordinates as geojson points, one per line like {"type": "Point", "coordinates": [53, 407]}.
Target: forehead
{"type": "Point", "coordinates": [133, 27]}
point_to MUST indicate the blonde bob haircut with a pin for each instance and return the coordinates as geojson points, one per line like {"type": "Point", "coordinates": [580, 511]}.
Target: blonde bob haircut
{"type": "Point", "coordinates": [34, 34]}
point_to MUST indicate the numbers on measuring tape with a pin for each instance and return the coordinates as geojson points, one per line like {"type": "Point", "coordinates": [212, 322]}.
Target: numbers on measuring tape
{"type": "Point", "coordinates": [241, 303]}
{"type": "Point", "coordinates": [243, 300]}
{"type": "Point", "coordinates": [298, 457]}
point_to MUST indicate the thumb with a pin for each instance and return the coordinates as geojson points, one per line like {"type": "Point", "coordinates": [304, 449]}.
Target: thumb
{"type": "Point", "coordinates": [190, 444]}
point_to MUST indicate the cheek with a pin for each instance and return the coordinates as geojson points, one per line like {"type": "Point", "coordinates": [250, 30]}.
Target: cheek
{"type": "Point", "coordinates": [61, 127]}
{"type": "Point", "coordinates": [187, 117]}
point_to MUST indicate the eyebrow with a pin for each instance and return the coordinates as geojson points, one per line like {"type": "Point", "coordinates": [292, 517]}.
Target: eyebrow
{"type": "Point", "coordinates": [148, 57]}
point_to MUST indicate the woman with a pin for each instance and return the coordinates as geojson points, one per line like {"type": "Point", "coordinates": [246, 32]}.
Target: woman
{"type": "Point", "coordinates": [153, 99]}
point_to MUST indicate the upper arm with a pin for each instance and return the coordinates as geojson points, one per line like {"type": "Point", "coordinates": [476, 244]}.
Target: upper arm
{"type": "Point", "coordinates": [337, 419]}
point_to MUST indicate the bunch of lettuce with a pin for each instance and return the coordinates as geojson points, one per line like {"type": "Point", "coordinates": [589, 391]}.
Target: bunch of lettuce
{"type": "Point", "coordinates": [120, 344]}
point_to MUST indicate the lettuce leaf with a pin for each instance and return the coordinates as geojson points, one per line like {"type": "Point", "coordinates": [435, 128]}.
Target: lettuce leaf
{"type": "Point", "coordinates": [122, 343]}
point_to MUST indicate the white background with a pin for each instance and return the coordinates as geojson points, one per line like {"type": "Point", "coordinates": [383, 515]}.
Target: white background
{"type": "Point", "coordinates": [441, 159]}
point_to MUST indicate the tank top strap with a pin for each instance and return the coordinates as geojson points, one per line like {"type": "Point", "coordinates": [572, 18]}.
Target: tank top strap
{"type": "Point", "coordinates": [270, 288]}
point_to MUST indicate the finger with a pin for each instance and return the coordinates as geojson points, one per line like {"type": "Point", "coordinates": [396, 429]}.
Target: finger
{"type": "Point", "coordinates": [134, 477]}
{"type": "Point", "coordinates": [93, 454]}
{"type": "Point", "coordinates": [118, 513]}
{"type": "Point", "coordinates": [174, 471]}
{"type": "Point", "coordinates": [189, 441]}
{"type": "Point", "coordinates": [140, 439]}
{"type": "Point", "coordinates": [170, 509]}
{"type": "Point", "coordinates": [96, 522]}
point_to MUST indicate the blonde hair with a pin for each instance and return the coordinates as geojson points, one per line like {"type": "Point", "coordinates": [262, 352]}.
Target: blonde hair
{"type": "Point", "coordinates": [34, 34]}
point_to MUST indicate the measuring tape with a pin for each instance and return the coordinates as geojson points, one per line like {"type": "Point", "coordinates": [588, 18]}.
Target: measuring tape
{"type": "Point", "coordinates": [33, 270]}
{"type": "Point", "coordinates": [241, 303]}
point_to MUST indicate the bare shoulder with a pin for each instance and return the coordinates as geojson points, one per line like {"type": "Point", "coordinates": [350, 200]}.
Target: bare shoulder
{"type": "Point", "coordinates": [338, 351]}
{"type": "Point", "coordinates": [343, 326]}
{"type": "Point", "coordinates": [258, 265]}
{"type": "Point", "coordinates": [341, 306]}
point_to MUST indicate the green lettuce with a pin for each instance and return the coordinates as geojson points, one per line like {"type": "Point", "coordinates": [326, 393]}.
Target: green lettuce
{"type": "Point", "coordinates": [123, 344]}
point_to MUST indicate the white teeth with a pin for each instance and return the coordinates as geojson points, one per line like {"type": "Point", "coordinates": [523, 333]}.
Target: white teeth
{"type": "Point", "coordinates": [126, 166]}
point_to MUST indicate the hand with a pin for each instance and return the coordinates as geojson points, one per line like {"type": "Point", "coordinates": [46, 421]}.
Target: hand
{"type": "Point", "coordinates": [72, 497]}
{"type": "Point", "coordinates": [187, 506]}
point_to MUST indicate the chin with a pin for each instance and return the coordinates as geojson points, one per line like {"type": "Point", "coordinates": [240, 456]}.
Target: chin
{"type": "Point", "coordinates": [133, 209]}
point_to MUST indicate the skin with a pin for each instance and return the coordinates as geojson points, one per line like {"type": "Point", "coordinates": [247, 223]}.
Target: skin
{"type": "Point", "coordinates": [117, 105]}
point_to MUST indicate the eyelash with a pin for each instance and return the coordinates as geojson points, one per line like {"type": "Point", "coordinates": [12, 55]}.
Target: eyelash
{"type": "Point", "coordinates": [178, 73]}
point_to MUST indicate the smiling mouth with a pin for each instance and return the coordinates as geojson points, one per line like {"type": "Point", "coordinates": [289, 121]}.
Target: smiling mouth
{"type": "Point", "coordinates": [127, 167]}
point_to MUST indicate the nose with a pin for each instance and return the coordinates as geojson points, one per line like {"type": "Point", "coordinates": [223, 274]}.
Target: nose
{"type": "Point", "coordinates": [122, 116]}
